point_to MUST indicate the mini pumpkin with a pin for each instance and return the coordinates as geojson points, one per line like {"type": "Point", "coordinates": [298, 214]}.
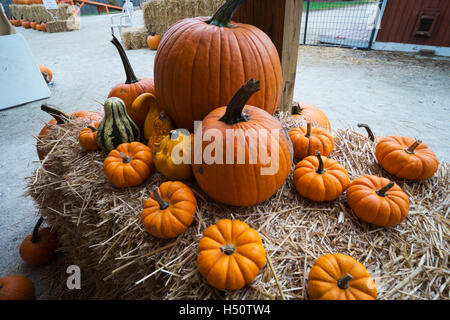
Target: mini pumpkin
{"type": "Point", "coordinates": [319, 178]}
{"type": "Point", "coordinates": [16, 288]}
{"type": "Point", "coordinates": [33, 24]}
{"type": "Point", "coordinates": [309, 113]}
{"type": "Point", "coordinates": [307, 140]}
{"type": "Point", "coordinates": [169, 210]}
{"type": "Point", "coordinates": [88, 137]}
{"type": "Point", "coordinates": [128, 165]}
{"type": "Point", "coordinates": [46, 73]}
{"type": "Point", "coordinates": [340, 277]}
{"type": "Point", "coordinates": [163, 158]}
{"type": "Point", "coordinates": [230, 254]}
{"type": "Point", "coordinates": [377, 200]}
{"type": "Point", "coordinates": [153, 41]}
{"type": "Point", "coordinates": [406, 158]}
{"type": "Point", "coordinates": [39, 247]}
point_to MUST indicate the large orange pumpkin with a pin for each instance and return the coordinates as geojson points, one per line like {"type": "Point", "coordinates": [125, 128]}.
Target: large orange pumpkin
{"type": "Point", "coordinates": [230, 254]}
{"type": "Point", "coordinates": [129, 90]}
{"type": "Point", "coordinates": [309, 113]}
{"type": "Point", "coordinates": [252, 159]}
{"type": "Point", "coordinates": [406, 158]}
{"type": "Point", "coordinates": [201, 62]}
{"type": "Point", "coordinates": [340, 277]}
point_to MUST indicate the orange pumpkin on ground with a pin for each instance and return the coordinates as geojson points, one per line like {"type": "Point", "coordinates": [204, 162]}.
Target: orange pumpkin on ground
{"type": "Point", "coordinates": [340, 277]}
{"type": "Point", "coordinates": [33, 24]}
{"type": "Point", "coordinates": [377, 200]}
{"type": "Point", "coordinates": [39, 247]}
{"type": "Point", "coordinates": [309, 113]}
{"type": "Point", "coordinates": [133, 87]}
{"type": "Point", "coordinates": [88, 137]}
{"type": "Point", "coordinates": [16, 288]}
{"type": "Point", "coordinates": [230, 254]}
{"type": "Point", "coordinates": [129, 165]}
{"type": "Point", "coordinates": [201, 62]}
{"type": "Point", "coordinates": [46, 73]}
{"type": "Point", "coordinates": [320, 179]}
{"type": "Point", "coordinates": [406, 158]}
{"type": "Point", "coordinates": [170, 210]}
{"type": "Point", "coordinates": [251, 164]}
{"type": "Point", "coordinates": [153, 41]}
{"type": "Point", "coordinates": [25, 23]}
{"type": "Point", "coordinates": [307, 140]}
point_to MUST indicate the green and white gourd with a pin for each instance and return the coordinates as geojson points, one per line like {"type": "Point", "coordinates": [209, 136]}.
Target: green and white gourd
{"type": "Point", "coordinates": [116, 126]}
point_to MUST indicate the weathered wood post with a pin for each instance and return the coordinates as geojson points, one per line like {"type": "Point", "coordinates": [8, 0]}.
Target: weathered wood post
{"type": "Point", "coordinates": [281, 20]}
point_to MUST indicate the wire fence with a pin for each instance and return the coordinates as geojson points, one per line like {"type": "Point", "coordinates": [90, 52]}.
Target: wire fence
{"type": "Point", "coordinates": [350, 23]}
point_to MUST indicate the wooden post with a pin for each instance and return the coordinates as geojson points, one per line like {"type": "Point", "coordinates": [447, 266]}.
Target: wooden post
{"type": "Point", "coordinates": [281, 20]}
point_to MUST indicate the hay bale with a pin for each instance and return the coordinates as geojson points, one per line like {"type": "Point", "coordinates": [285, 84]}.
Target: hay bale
{"type": "Point", "coordinates": [65, 12]}
{"type": "Point", "coordinates": [63, 25]}
{"type": "Point", "coordinates": [37, 12]}
{"type": "Point", "coordinates": [100, 230]}
{"type": "Point", "coordinates": [134, 38]}
{"type": "Point", "coordinates": [159, 15]}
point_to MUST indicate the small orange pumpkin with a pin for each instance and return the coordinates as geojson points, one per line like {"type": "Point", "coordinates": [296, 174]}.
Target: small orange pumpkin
{"type": "Point", "coordinates": [310, 113]}
{"type": "Point", "coordinates": [377, 200]}
{"type": "Point", "coordinates": [153, 41]}
{"type": "Point", "coordinates": [16, 288]}
{"type": "Point", "coordinates": [46, 73]}
{"type": "Point", "coordinates": [33, 24]}
{"type": "Point", "coordinates": [39, 247]}
{"type": "Point", "coordinates": [307, 140]}
{"type": "Point", "coordinates": [340, 277]}
{"type": "Point", "coordinates": [25, 23]}
{"type": "Point", "coordinates": [320, 179]}
{"type": "Point", "coordinates": [169, 210]}
{"type": "Point", "coordinates": [128, 165]}
{"type": "Point", "coordinates": [230, 254]}
{"type": "Point", "coordinates": [406, 158]}
{"type": "Point", "coordinates": [88, 137]}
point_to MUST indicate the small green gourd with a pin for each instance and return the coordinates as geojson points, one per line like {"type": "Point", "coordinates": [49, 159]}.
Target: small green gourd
{"type": "Point", "coordinates": [116, 126]}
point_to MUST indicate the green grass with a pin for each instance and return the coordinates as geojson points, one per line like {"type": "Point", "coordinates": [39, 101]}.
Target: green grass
{"type": "Point", "coordinates": [329, 5]}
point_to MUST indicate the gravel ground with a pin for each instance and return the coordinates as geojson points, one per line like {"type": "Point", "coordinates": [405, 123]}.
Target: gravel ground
{"type": "Point", "coordinates": [394, 93]}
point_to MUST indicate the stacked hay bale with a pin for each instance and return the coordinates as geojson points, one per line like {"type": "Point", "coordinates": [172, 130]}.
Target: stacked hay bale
{"type": "Point", "coordinates": [134, 38]}
{"type": "Point", "coordinates": [34, 12]}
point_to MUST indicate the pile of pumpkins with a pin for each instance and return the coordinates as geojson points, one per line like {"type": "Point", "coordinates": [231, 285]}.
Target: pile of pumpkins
{"type": "Point", "coordinates": [27, 1]}
{"type": "Point", "coordinates": [27, 24]}
{"type": "Point", "coordinates": [205, 70]}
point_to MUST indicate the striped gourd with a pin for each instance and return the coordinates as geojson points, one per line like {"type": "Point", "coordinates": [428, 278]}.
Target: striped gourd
{"type": "Point", "coordinates": [116, 126]}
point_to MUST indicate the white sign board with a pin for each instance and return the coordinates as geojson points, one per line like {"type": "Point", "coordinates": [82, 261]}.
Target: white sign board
{"type": "Point", "coordinates": [50, 4]}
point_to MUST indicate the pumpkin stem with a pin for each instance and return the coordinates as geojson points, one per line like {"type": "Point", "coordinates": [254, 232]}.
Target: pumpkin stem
{"type": "Point", "coordinates": [320, 169]}
{"type": "Point", "coordinates": [131, 77]}
{"type": "Point", "coordinates": [308, 130]}
{"type": "Point", "coordinates": [125, 158]}
{"type": "Point", "coordinates": [162, 204]}
{"type": "Point", "coordinates": [382, 192]}
{"type": "Point", "coordinates": [228, 249]}
{"type": "Point", "coordinates": [297, 109]}
{"type": "Point", "coordinates": [59, 115]}
{"type": "Point", "coordinates": [153, 33]}
{"type": "Point", "coordinates": [233, 113]}
{"type": "Point", "coordinates": [413, 147]}
{"type": "Point", "coordinates": [92, 128]}
{"type": "Point", "coordinates": [35, 236]}
{"type": "Point", "coordinates": [343, 282]}
{"type": "Point", "coordinates": [223, 15]}
{"type": "Point", "coordinates": [369, 131]}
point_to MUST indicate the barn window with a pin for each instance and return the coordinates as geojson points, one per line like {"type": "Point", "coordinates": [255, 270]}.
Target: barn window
{"type": "Point", "coordinates": [426, 22]}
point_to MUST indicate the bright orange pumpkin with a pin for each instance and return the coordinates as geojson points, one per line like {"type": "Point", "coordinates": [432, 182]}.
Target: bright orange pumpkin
{"type": "Point", "coordinates": [88, 137]}
{"type": "Point", "coordinates": [153, 41]}
{"type": "Point", "coordinates": [307, 140]}
{"type": "Point", "coordinates": [309, 113]}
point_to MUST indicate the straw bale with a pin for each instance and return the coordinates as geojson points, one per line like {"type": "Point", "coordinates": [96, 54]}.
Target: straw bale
{"type": "Point", "coordinates": [65, 12]}
{"type": "Point", "coordinates": [37, 12]}
{"type": "Point", "coordinates": [63, 25]}
{"type": "Point", "coordinates": [100, 230]}
{"type": "Point", "coordinates": [159, 15]}
{"type": "Point", "coordinates": [134, 38]}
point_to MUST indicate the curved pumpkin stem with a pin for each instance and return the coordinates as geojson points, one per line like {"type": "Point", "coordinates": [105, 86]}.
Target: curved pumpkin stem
{"type": "Point", "coordinates": [60, 116]}
{"type": "Point", "coordinates": [343, 282]}
{"type": "Point", "coordinates": [233, 113]}
{"type": "Point", "coordinates": [382, 192]}
{"type": "Point", "coordinates": [35, 236]}
{"type": "Point", "coordinates": [413, 147]}
{"type": "Point", "coordinates": [228, 249]}
{"type": "Point", "coordinates": [297, 109]}
{"type": "Point", "coordinates": [162, 204]}
{"type": "Point", "coordinates": [369, 131]}
{"type": "Point", "coordinates": [320, 169]}
{"type": "Point", "coordinates": [92, 128]}
{"type": "Point", "coordinates": [129, 72]}
{"type": "Point", "coordinates": [223, 15]}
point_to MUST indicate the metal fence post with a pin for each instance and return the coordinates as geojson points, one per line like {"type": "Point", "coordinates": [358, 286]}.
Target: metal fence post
{"type": "Point", "coordinates": [372, 35]}
{"type": "Point", "coordinates": [306, 22]}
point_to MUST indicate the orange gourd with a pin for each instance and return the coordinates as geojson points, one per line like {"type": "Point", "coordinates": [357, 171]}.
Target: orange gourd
{"type": "Point", "coordinates": [170, 210]}
{"type": "Point", "coordinates": [340, 277]}
{"type": "Point", "coordinates": [377, 200]}
{"type": "Point", "coordinates": [309, 113]}
{"type": "Point", "coordinates": [16, 288]}
{"type": "Point", "coordinates": [307, 140]}
{"type": "Point", "coordinates": [153, 41]}
{"type": "Point", "coordinates": [406, 158]}
{"type": "Point", "coordinates": [319, 178]}
{"type": "Point", "coordinates": [230, 254]}
{"type": "Point", "coordinates": [128, 165]}
{"type": "Point", "coordinates": [88, 137]}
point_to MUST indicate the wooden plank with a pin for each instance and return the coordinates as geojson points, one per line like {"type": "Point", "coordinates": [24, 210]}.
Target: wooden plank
{"type": "Point", "coordinates": [280, 20]}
